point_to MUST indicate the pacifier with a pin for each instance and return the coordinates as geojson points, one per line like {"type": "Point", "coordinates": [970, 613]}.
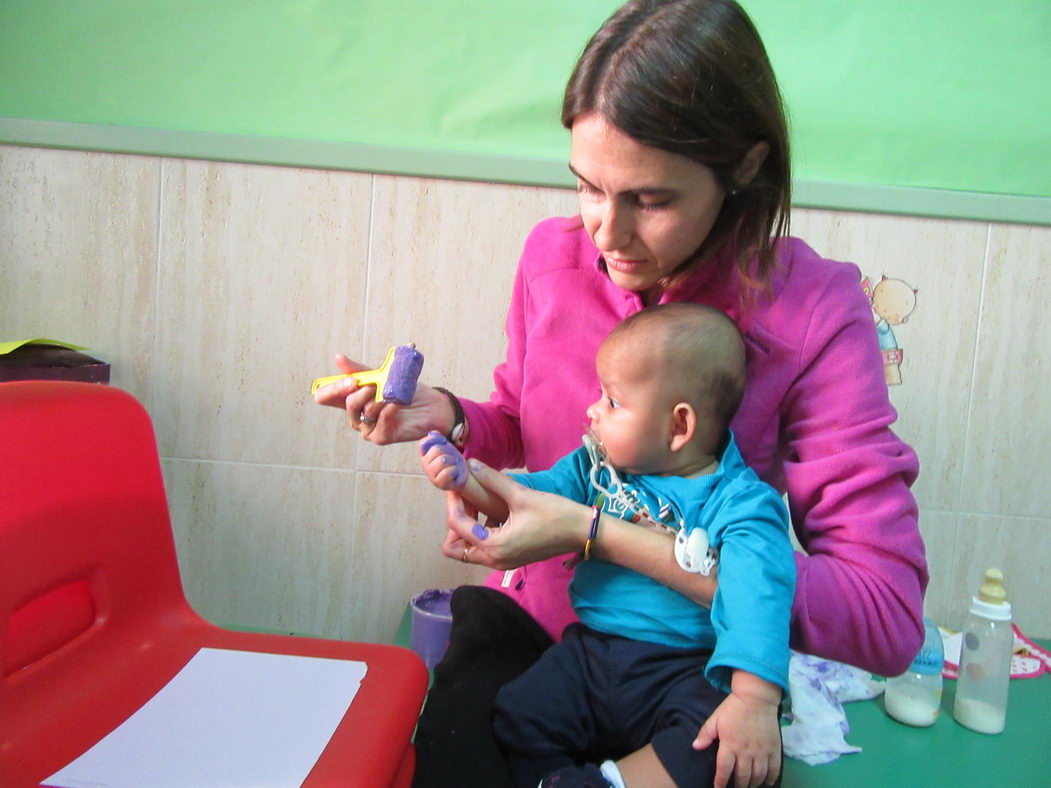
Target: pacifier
{"type": "Point", "coordinates": [599, 463]}
{"type": "Point", "coordinates": [694, 553]}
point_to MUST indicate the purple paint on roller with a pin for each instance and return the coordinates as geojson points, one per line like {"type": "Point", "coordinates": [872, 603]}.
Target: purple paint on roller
{"type": "Point", "coordinates": [452, 454]}
{"type": "Point", "coordinates": [404, 371]}
{"type": "Point", "coordinates": [431, 619]}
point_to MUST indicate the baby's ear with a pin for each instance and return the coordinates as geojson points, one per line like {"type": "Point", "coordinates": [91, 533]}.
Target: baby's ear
{"type": "Point", "coordinates": [683, 425]}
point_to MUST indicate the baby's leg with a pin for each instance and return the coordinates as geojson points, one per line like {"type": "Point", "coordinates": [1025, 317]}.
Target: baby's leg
{"type": "Point", "coordinates": [543, 719]}
{"type": "Point", "coordinates": [686, 707]}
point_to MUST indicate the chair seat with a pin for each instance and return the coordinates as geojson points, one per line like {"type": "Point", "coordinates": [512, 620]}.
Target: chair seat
{"type": "Point", "coordinates": [43, 730]}
{"type": "Point", "coordinates": [93, 620]}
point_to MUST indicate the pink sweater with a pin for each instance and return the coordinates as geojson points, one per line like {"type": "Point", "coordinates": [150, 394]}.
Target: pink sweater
{"type": "Point", "coordinates": [815, 423]}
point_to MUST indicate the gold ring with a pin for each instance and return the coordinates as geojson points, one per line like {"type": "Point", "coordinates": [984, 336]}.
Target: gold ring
{"type": "Point", "coordinates": [466, 550]}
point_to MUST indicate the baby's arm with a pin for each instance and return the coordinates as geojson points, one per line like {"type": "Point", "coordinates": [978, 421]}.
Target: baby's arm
{"type": "Point", "coordinates": [750, 613]}
{"type": "Point", "coordinates": [747, 727]}
{"type": "Point", "coordinates": [447, 470]}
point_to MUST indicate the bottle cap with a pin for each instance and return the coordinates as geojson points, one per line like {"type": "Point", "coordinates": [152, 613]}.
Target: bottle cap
{"type": "Point", "coordinates": [992, 590]}
{"type": "Point", "coordinates": [991, 601]}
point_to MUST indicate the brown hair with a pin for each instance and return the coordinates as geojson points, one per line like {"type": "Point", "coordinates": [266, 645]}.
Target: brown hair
{"type": "Point", "coordinates": [699, 353]}
{"type": "Point", "coordinates": [692, 77]}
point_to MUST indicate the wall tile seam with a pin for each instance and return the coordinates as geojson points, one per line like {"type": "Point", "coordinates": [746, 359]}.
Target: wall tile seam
{"type": "Point", "coordinates": [415, 475]}
{"type": "Point", "coordinates": [150, 404]}
{"type": "Point", "coordinates": [955, 558]}
{"type": "Point", "coordinates": [368, 263]}
{"type": "Point", "coordinates": [280, 466]}
{"type": "Point", "coordinates": [365, 297]}
{"type": "Point", "coordinates": [998, 515]}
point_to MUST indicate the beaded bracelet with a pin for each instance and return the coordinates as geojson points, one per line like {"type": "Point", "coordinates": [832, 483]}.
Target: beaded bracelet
{"type": "Point", "coordinates": [596, 513]}
{"type": "Point", "coordinates": [585, 554]}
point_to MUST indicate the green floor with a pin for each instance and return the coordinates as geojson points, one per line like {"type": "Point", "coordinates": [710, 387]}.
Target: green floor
{"type": "Point", "coordinates": [945, 754]}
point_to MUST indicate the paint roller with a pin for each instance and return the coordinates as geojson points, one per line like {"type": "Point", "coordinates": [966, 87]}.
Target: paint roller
{"type": "Point", "coordinates": [395, 379]}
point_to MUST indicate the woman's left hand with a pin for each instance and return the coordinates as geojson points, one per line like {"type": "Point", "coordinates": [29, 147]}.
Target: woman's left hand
{"type": "Point", "coordinates": [540, 525]}
{"type": "Point", "coordinates": [384, 423]}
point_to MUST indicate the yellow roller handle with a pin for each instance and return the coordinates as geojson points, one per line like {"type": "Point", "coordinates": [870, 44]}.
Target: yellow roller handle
{"type": "Point", "coordinates": [377, 376]}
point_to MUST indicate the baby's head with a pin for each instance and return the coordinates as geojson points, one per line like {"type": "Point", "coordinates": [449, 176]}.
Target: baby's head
{"type": "Point", "coordinates": [672, 378]}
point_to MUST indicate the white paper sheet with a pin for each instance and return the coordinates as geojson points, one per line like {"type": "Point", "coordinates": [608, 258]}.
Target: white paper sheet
{"type": "Point", "coordinates": [229, 718]}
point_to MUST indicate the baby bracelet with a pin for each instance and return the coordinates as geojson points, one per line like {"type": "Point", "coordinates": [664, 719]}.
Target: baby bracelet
{"type": "Point", "coordinates": [585, 554]}
{"type": "Point", "coordinates": [596, 512]}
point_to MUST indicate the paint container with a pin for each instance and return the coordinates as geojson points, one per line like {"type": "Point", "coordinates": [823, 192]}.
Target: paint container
{"type": "Point", "coordinates": [431, 620]}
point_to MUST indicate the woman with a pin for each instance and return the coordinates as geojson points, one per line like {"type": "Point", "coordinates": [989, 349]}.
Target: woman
{"type": "Point", "coordinates": [680, 150]}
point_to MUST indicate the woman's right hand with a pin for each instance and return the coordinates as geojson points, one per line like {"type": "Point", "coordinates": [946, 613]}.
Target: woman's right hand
{"type": "Point", "coordinates": [383, 423]}
{"type": "Point", "coordinates": [540, 525]}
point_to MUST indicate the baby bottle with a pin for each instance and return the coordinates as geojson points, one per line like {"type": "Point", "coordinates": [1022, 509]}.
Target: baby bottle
{"type": "Point", "coordinates": [915, 696]}
{"type": "Point", "coordinates": [985, 659]}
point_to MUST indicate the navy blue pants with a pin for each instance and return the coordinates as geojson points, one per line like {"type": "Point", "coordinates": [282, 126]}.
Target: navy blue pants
{"type": "Point", "coordinates": [594, 697]}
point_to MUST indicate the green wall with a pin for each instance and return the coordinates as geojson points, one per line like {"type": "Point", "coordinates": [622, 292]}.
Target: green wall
{"type": "Point", "coordinates": [927, 107]}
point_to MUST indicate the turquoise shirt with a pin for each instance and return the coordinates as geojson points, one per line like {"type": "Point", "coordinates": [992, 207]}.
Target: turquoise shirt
{"type": "Point", "coordinates": [745, 520]}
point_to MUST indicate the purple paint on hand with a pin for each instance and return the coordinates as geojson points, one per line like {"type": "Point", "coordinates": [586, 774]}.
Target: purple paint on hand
{"type": "Point", "coordinates": [480, 531]}
{"type": "Point", "coordinates": [451, 453]}
{"type": "Point", "coordinates": [433, 438]}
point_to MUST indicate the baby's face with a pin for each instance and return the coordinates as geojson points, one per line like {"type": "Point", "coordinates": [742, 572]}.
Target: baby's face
{"type": "Point", "coordinates": [630, 418]}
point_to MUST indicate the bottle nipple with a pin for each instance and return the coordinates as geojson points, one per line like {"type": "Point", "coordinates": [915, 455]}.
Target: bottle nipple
{"type": "Point", "coordinates": [992, 590]}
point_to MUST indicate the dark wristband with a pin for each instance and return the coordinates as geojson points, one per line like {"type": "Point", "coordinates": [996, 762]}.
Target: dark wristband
{"type": "Point", "coordinates": [456, 434]}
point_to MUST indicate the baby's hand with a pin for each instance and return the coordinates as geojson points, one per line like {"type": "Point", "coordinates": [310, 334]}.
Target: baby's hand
{"type": "Point", "coordinates": [749, 742]}
{"type": "Point", "coordinates": [442, 462]}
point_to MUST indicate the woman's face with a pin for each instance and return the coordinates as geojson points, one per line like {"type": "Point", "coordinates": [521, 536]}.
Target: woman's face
{"type": "Point", "coordinates": [647, 210]}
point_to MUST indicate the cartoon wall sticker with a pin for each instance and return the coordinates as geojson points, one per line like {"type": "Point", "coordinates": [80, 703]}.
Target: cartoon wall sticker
{"type": "Point", "coordinates": [893, 300]}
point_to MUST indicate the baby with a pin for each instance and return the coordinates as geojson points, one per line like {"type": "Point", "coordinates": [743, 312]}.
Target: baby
{"type": "Point", "coordinates": [620, 700]}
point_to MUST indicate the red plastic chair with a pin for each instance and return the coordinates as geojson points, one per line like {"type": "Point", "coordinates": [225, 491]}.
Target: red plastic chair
{"type": "Point", "coordinates": [93, 619]}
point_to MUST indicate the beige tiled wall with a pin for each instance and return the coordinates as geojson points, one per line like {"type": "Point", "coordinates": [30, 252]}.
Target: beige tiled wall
{"type": "Point", "coordinates": [219, 291]}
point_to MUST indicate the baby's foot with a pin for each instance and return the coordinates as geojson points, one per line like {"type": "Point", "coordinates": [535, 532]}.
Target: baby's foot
{"type": "Point", "coordinates": [586, 776]}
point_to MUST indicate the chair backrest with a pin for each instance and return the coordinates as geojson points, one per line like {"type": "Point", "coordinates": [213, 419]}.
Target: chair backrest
{"type": "Point", "coordinates": [86, 547]}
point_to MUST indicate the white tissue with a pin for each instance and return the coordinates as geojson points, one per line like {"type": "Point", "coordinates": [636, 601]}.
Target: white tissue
{"type": "Point", "coordinates": [818, 689]}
